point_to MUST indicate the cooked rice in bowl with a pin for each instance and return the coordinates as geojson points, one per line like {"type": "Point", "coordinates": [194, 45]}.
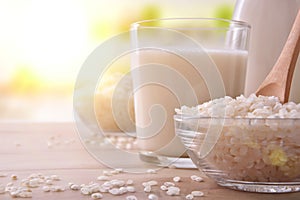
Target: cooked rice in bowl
{"type": "Point", "coordinates": [254, 139]}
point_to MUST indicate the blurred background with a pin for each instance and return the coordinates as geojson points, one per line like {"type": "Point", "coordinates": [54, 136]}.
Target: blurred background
{"type": "Point", "coordinates": [43, 44]}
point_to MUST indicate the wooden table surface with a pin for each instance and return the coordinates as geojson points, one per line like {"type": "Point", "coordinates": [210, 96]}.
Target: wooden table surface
{"type": "Point", "coordinates": [24, 149]}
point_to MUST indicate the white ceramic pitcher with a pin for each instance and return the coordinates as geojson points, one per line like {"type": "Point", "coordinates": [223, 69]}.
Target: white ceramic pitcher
{"type": "Point", "coordinates": [271, 22]}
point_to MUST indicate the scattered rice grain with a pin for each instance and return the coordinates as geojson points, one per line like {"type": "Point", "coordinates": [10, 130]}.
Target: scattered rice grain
{"type": "Point", "coordinates": [97, 195]}
{"type": "Point", "coordinates": [176, 179]}
{"type": "Point", "coordinates": [152, 197]}
{"type": "Point", "coordinates": [197, 193]}
{"type": "Point", "coordinates": [189, 196]}
{"type": "Point", "coordinates": [131, 197]}
{"type": "Point", "coordinates": [147, 189]}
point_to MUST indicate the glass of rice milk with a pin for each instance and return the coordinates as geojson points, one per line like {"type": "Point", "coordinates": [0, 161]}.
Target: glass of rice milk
{"type": "Point", "coordinates": [182, 61]}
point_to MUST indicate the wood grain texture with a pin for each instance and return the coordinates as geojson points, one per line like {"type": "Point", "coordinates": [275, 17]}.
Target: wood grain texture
{"type": "Point", "coordinates": [24, 150]}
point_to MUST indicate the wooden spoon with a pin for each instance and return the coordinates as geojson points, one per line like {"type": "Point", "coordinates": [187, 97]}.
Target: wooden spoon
{"type": "Point", "coordinates": [278, 81]}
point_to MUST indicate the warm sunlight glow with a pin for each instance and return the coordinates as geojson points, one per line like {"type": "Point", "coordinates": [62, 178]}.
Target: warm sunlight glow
{"type": "Point", "coordinates": [44, 43]}
{"type": "Point", "coordinates": [54, 36]}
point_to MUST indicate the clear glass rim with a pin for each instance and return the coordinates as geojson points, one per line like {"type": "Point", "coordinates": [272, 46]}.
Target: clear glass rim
{"type": "Point", "coordinates": [181, 117]}
{"type": "Point", "coordinates": [139, 24]}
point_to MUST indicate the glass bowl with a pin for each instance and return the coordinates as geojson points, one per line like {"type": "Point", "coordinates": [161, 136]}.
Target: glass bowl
{"type": "Point", "coordinates": [255, 155]}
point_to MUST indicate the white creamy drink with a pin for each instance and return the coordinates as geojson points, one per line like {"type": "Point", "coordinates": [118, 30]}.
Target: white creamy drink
{"type": "Point", "coordinates": [170, 85]}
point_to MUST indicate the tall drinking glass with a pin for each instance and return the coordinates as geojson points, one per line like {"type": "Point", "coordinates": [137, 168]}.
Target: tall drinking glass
{"type": "Point", "coordinates": [179, 62]}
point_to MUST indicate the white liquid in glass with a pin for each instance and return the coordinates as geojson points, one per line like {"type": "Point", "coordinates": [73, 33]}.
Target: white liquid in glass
{"type": "Point", "coordinates": [161, 137]}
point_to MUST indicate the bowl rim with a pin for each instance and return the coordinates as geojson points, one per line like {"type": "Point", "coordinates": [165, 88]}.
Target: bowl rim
{"type": "Point", "coordinates": [181, 117]}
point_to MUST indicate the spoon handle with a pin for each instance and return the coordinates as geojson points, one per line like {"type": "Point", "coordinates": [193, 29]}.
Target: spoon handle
{"type": "Point", "coordinates": [278, 81]}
